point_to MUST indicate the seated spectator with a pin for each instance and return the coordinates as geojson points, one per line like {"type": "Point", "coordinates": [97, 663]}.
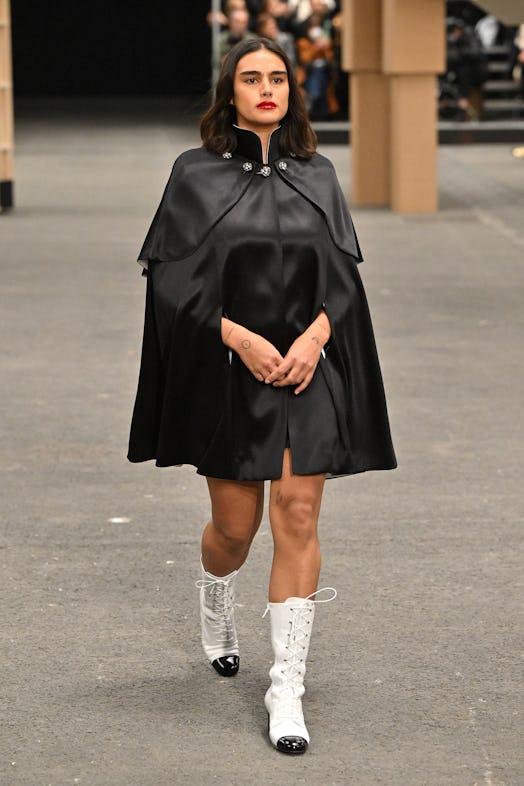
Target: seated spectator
{"type": "Point", "coordinates": [487, 30]}
{"type": "Point", "coordinates": [317, 69]}
{"type": "Point", "coordinates": [238, 30]}
{"type": "Point", "coordinates": [517, 59]}
{"type": "Point", "coordinates": [267, 28]}
{"type": "Point", "coordinates": [227, 7]}
{"type": "Point", "coordinates": [282, 13]}
{"type": "Point", "coordinates": [466, 64]}
{"type": "Point", "coordinates": [302, 9]}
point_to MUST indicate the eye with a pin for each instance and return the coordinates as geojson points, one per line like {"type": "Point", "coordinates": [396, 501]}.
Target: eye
{"type": "Point", "coordinates": [251, 80]}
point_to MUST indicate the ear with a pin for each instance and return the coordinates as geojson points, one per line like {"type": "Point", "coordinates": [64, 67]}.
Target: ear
{"type": "Point", "coordinates": [232, 101]}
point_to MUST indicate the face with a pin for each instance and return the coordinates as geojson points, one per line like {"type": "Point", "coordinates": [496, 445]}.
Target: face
{"type": "Point", "coordinates": [269, 29]}
{"type": "Point", "coordinates": [276, 7]}
{"type": "Point", "coordinates": [260, 91]}
{"type": "Point", "coordinates": [238, 22]}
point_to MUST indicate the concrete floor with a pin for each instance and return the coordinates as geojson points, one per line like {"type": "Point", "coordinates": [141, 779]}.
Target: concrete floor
{"type": "Point", "coordinates": [415, 675]}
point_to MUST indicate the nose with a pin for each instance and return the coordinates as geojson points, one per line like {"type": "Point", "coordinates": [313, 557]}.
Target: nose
{"type": "Point", "coordinates": [265, 87]}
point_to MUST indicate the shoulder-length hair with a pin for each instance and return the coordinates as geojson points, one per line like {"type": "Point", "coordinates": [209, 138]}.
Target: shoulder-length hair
{"type": "Point", "coordinates": [216, 128]}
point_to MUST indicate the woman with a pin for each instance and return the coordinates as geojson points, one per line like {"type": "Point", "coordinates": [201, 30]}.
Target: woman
{"type": "Point", "coordinates": [258, 359]}
{"type": "Point", "coordinates": [267, 27]}
{"type": "Point", "coordinates": [317, 73]}
{"type": "Point", "coordinates": [517, 59]}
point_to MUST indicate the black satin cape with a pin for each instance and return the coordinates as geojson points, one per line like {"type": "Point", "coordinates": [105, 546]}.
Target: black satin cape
{"type": "Point", "coordinates": [268, 247]}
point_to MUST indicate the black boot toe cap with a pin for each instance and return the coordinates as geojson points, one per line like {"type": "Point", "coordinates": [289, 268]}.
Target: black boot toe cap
{"type": "Point", "coordinates": [227, 666]}
{"type": "Point", "coordinates": [292, 745]}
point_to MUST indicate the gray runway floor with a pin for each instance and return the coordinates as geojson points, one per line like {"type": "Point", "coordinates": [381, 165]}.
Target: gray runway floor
{"type": "Point", "coordinates": [415, 674]}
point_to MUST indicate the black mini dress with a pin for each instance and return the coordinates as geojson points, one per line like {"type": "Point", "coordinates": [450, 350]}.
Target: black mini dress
{"type": "Point", "coordinates": [270, 262]}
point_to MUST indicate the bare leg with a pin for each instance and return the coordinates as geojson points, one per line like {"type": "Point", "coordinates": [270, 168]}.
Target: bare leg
{"type": "Point", "coordinates": [294, 508]}
{"type": "Point", "coordinates": [236, 511]}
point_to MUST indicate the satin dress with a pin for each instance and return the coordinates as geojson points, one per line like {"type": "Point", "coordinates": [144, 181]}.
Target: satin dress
{"type": "Point", "coordinates": [269, 264]}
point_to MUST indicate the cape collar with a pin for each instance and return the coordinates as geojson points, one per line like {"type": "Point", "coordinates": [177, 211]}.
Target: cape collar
{"type": "Point", "coordinates": [249, 145]}
{"type": "Point", "coordinates": [206, 185]}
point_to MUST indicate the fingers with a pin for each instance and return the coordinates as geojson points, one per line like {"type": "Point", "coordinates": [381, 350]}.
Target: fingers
{"type": "Point", "coordinates": [303, 385]}
{"type": "Point", "coordinates": [292, 372]}
{"type": "Point", "coordinates": [266, 368]}
{"type": "Point", "coordinates": [280, 373]}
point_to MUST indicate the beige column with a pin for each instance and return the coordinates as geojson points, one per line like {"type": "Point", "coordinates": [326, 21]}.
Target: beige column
{"type": "Point", "coordinates": [6, 109]}
{"type": "Point", "coordinates": [361, 48]}
{"type": "Point", "coordinates": [413, 53]}
{"type": "Point", "coordinates": [413, 144]}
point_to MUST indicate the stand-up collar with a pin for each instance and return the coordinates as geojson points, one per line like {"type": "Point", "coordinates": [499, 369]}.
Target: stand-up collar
{"type": "Point", "coordinates": [249, 145]}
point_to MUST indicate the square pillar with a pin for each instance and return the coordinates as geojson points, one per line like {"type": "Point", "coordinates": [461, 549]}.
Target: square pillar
{"type": "Point", "coordinates": [370, 139]}
{"type": "Point", "coordinates": [413, 143]}
{"type": "Point", "coordinates": [362, 56]}
{"type": "Point", "coordinates": [413, 53]}
{"type": "Point", "coordinates": [394, 49]}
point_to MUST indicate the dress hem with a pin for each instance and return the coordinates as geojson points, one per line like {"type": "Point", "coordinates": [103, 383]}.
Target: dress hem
{"type": "Point", "coordinates": [380, 467]}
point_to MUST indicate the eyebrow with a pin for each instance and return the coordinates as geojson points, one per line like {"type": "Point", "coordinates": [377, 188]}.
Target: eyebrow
{"type": "Point", "coordinates": [259, 73]}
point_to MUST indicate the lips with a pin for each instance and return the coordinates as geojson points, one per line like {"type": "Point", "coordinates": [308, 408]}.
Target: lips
{"type": "Point", "coordinates": [266, 105]}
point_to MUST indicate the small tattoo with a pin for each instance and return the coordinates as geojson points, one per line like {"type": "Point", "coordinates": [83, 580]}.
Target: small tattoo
{"type": "Point", "coordinates": [315, 339]}
{"type": "Point", "coordinates": [245, 344]}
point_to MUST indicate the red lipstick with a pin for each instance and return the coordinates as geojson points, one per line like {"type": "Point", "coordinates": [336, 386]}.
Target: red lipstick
{"type": "Point", "coordinates": [266, 105]}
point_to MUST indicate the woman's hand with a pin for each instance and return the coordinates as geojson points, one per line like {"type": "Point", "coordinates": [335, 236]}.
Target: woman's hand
{"type": "Point", "coordinates": [257, 354]}
{"type": "Point", "coordinates": [301, 360]}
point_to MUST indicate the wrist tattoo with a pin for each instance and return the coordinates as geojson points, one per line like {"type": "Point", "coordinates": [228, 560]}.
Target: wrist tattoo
{"type": "Point", "coordinates": [245, 344]}
{"type": "Point", "coordinates": [315, 339]}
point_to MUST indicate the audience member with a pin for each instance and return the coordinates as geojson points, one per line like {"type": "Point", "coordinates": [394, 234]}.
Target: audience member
{"type": "Point", "coordinates": [517, 59]}
{"type": "Point", "coordinates": [487, 30]}
{"type": "Point", "coordinates": [267, 27]}
{"type": "Point", "coordinates": [317, 69]}
{"type": "Point", "coordinates": [227, 7]}
{"type": "Point", "coordinates": [466, 64]}
{"type": "Point", "coordinates": [302, 9]}
{"type": "Point", "coordinates": [282, 13]}
{"type": "Point", "coordinates": [237, 30]}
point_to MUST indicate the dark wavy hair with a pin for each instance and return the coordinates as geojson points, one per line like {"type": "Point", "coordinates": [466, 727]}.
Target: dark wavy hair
{"type": "Point", "coordinates": [216, 128]}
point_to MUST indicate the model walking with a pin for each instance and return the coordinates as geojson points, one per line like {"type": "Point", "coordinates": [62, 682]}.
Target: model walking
{"type": "Point", "coordinates": [258, 359]}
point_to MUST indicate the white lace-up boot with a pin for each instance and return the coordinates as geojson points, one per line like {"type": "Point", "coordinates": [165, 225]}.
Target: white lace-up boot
{"type": "Point", "coordinates": [217, 617]}
{"type": "Point", "coordinates": [291, 626]}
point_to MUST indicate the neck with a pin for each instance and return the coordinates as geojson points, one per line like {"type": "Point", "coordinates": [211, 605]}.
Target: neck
{"type": "Point", "coordinates": [264, 134]}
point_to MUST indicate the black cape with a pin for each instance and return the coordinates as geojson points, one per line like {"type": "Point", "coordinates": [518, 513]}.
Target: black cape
{"type": "Point", "coordinates": [267, 246]}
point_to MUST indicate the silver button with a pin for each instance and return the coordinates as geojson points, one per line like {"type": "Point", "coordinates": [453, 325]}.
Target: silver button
{"type": "Point", "coordinates": [247, 166]}
{"type": "Point", "coordinates": [282, 165]}
{"type": "Point", "coordinates": [226, 154]}
{"type": "Point", "coordinates": [266, 171]}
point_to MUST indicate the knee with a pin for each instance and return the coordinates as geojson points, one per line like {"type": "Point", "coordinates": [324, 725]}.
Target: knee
{"type": "Point", "coordinates": [295, 517]}
{"type": "Point", "coordinates": [235, 537]}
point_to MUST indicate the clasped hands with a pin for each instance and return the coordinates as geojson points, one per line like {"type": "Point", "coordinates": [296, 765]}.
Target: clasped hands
{"type": "Point", "coordinates": [266, 363]}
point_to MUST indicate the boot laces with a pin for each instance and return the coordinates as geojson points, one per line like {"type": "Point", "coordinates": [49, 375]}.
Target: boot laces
{"type": "Point", "coordinates": [220, 594]}
{"type": "Point", "coordinates": [299, 632]}
{"type": "Point", "coordinates": [294, 670]}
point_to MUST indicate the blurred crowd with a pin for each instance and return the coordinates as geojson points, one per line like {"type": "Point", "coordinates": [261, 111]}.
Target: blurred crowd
{"type": "Point", "coordinates": [308, 31]}
{"type": "Point", "coordinates": [472, 39]}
